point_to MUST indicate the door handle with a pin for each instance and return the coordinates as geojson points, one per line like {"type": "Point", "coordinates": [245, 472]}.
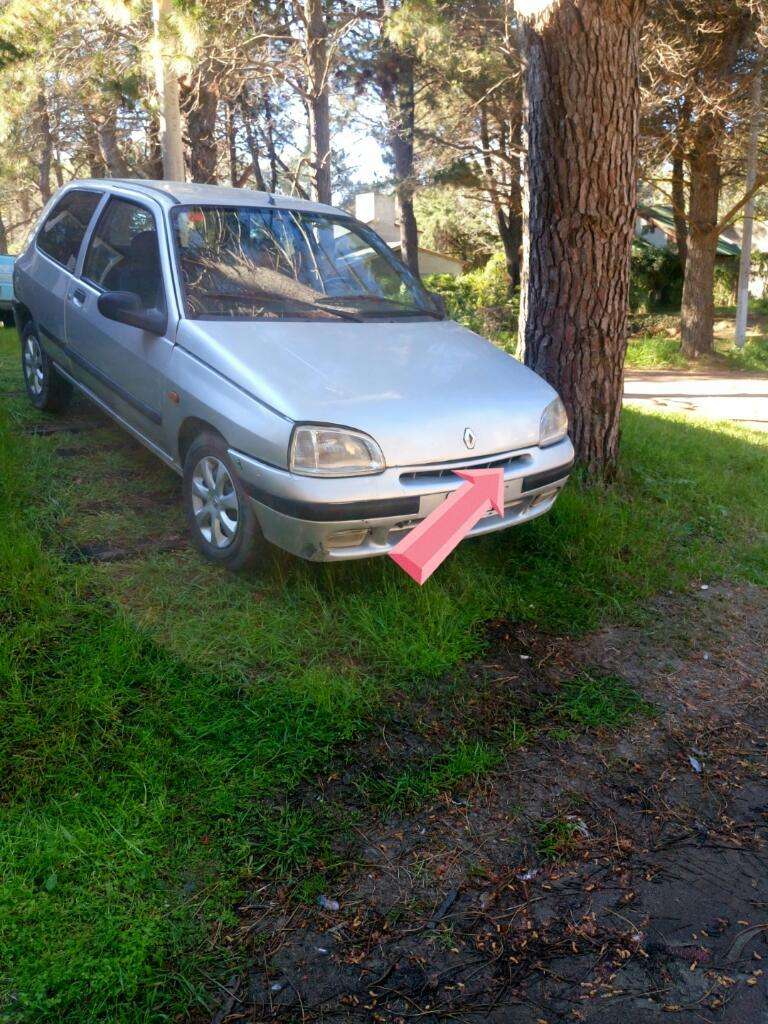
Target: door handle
{"type": "Point", "coordinates": [78, 295]}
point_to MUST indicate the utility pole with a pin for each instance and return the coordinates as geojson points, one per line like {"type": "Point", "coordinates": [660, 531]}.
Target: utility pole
{"type": "Point", "coordinates": [742, 304]}
{"type": "Point", "coordinates": [167, 85]}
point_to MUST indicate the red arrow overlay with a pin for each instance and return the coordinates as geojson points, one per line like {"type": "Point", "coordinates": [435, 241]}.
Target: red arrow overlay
{"type": "Point", "coordinates": [429, 544]}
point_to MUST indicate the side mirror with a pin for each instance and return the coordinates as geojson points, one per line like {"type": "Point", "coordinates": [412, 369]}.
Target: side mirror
{"type": "Point", "coordinates": [126, 308]}
{"type": "Point", "coordinates": [438, 301]}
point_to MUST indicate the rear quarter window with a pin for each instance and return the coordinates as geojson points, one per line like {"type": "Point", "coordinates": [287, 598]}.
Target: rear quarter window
{"type": "Point", "coordinates": [64, 228]}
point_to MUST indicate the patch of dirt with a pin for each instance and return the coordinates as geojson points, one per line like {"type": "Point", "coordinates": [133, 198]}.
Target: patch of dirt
{"type": "Point", "coordinates": [111, 552]}
{"type": "Point", "coordinates": [659, 904]}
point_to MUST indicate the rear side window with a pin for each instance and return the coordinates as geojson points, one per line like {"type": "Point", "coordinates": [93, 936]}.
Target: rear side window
{"type": "Point", "coordinates": [124, 255]}
{"type": "Point", "coordinates": [62, 234]}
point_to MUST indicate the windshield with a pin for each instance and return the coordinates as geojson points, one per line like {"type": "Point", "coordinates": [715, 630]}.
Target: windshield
{"type": "Point", "coordinates": [254, 263]}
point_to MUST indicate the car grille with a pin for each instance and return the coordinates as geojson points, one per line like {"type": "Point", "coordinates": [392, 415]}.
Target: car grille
{"type": "Point", "coordinates": [434, 474]}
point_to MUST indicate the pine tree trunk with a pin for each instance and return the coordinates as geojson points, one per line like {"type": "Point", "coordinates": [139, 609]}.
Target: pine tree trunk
{"type": "Point", "coordinates": [318, 100]}
{"type": "Point", "coordinates": [395, 79]}
{"type": "Point", "coordinates": [409, 231]}
{"type": "Point", "coordinates": [698, 311]}
{"type": "Point", "coordinates": [234, 177]}
{"type": "Point", "coordinates": [678, 207]}
{"type": "Point", "coordinates": [269, 135]}
{"type": "Point", "coordinates": [46, 153]}
{"type": "Point", "coordinates": [202, 105]}
{"type": "Point", "coordinates": [154, 161]}
{"type": "Point", "coordinates": [508, 221]}
{"type": "Point", "coordinates": [167, 86]}
{"type": "Point", "coordinates": [579, 202]}
{"type": "Point", "coordinates": [109, 147]}
{"type": "Point", "coordinates": [3, 237]}
{"type": "Point", "coordinates": [510, 227]}
{"type": "Point", "coordinates": [402, 124]}
{"type": "Point", "coordinates": [253, 146]}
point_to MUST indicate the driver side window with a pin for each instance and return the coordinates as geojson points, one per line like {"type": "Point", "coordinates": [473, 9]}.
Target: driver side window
{"type": "Point", "coordinates": [124, 255]}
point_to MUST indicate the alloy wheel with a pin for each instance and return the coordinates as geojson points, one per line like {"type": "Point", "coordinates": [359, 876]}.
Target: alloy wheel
{"type": "Point", "coordinates": [33, 366]}
{"type": "Point", "coordinates": [214, 502]}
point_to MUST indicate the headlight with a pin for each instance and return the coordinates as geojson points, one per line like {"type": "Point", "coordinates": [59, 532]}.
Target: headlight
{"type": "Point", "coordinates": [332, 451]}
{"type": "Point", "coordinates": [554, 423]}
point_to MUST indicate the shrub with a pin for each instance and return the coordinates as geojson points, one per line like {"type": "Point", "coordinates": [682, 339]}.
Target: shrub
{"type": "Point", "coordinates": [656, 279]}
{"type": "Point", "coordinates": [481, 299]}
{"type": "Point", "coordinates": [726, 280]}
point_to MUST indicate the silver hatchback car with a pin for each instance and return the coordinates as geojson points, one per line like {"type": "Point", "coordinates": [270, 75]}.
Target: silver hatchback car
{"type": "Point", "coordinates": [277, 355]}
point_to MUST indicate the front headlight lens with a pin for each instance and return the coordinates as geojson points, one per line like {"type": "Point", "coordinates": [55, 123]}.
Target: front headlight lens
{"type": "Point", "coordinates": [332, 451]}
{"type": "Point", "coordinates": [554, 423]}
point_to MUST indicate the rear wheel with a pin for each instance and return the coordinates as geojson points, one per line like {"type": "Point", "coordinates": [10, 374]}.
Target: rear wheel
{"type": "Point", "coordinates": [47, 390]}
{"type": "Point", "coordinates": [222, 523]}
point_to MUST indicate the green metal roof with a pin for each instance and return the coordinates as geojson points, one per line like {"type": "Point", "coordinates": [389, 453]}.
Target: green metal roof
{"type": "Point", "coordinates": [664, 218]}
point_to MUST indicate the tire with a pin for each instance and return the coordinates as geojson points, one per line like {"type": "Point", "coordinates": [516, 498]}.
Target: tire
{"type": "Point", "coordinates": [46, 389]}
{"type": "Point", "coordinates": [221, 521]}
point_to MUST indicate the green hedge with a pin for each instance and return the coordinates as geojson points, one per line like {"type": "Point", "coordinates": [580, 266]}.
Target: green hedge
{"type": "Point", "coordinates": [481, 299]}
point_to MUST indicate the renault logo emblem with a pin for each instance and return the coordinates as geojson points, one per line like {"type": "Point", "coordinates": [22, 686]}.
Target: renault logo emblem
{"type": "Point", "coordinates": [469, 437]}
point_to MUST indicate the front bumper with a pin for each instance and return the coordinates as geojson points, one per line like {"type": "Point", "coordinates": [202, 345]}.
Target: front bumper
{"type": "Point", "coordinates": [326, 519]}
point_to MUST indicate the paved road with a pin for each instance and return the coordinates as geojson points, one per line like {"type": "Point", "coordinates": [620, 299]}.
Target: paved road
{"type": "Point", "coordinates": [721, 396]}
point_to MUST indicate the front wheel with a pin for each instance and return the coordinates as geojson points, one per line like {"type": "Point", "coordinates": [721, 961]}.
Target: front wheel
{"type": "Point", "coordinates": [222, 523]}
{"type": "Point", "coordinates": [47, 390]}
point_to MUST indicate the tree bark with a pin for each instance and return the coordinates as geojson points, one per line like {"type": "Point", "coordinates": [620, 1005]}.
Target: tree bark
{"type": "Point", "coordinates": [96, 166]}
{"type": "Point", "coordinates": [253, 146]}
{"type": "Point", "coordinates": [745, 262]}
{"type": "Point", "coordinates": [3, 236]}
{"type": "Point", "coordinates": [46, 151]}
{"type": "Point", "coordinates": [395, 79]}
{"type": "Point", "coordinates": [508, 221]}
{"type": "Point", "coordinates": [109, 148]}
{"type": "Point", "coordinates": [678, 206]}
{"type": "Point", "coordinates": [318, 100]}
{"type": "Point", "coordinates": [269, 136]}
{"type": "Point", "coordinates": [167, 86]}
{"type": "Point", "coordinates": [234, 177]}
{"type": "Point", "coordinates": [154, 161]}
{"type": "Point", "coordinates": [579, 203]}
{"type": "Point", "coordinates": [698, 309]}
{"type": "Point", "coordinates": [202, 105]}
{"type": "Point", "coordinates": [510, 227]}
{"type": "Point", "coordinates": [402, 118]}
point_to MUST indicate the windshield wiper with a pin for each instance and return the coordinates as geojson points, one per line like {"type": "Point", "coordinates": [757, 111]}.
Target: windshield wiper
{"type": "Point", "coordinates": [342, 314]}
{"type": "Point", "coordinates": [400, 310]}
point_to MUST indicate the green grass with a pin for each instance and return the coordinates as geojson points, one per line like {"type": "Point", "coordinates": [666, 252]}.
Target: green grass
{"type": "Point", "coordinates": [753, 358]}
{"type": "Point", "coordinates": [559, 838]}
{"type": "Point", "coordinates": [658, 352]}
{"type": "Point", "coordinates": [655, 352]}
{"type": "Point", "coordinates": [598, 702]}
{"type": "Point", "coordinates": [163, 724]}
{"type": "Point", "coordinates": [418, 784]}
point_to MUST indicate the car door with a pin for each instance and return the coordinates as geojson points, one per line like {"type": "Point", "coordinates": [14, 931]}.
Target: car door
{"type": "Point", "coordinates": [45, 271]}
{"type": "Point", "coordinates": [123, 365]}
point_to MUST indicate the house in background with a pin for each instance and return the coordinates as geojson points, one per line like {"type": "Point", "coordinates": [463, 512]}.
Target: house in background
{"type": "Point", "coordinates": [379, 211]}
{"type": "Point", "coordinates": [656, 226]}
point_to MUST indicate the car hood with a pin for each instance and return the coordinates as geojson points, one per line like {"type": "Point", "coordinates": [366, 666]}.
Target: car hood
{"type": "Point", "coordinates": [414, 387]}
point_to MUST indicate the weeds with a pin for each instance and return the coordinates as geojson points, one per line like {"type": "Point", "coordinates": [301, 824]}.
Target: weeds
{"type": "Point", "coordinates": [559, 838]}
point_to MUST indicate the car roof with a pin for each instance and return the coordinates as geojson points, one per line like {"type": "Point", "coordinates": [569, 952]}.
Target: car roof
{"type": "Point", "coordinates": [181, 193]}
